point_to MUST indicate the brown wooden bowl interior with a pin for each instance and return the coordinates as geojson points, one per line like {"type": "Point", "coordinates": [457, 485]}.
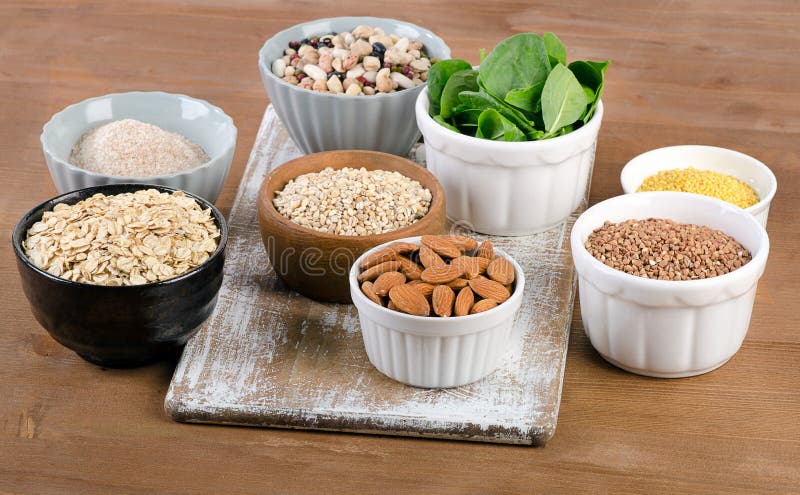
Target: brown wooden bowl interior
{"type": "Point", "coordinates": [323, 274]}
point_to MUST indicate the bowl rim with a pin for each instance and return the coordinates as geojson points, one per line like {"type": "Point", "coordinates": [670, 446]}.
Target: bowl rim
{"type": "Point", "coordinates": [437, 200]}
{"type": "Point", "coordinates": [642, 158]}
{"type": "Point", "coordinates": [421, 109]}
{"type": "Point", "coordinates": [519, 289]}
{"type": "Point", "coordinates": [267, 69]}
{"type": "Point", "coordinates": [17, 236]}
{"type": "Point", "coordinates": [748, 271]}
{"type": "Point", "coordinates": [133, 179]}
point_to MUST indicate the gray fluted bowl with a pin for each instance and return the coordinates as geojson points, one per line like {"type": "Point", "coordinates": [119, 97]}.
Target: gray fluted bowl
{"type": "Point", "coordinates": [323, 121]}
{"type": "Point", "coordinates": [202, 123]}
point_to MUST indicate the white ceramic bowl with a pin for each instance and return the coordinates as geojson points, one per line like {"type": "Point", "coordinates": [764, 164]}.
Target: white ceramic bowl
{"type": "Point", "coordinates": [436, 352]}
{"type": "Point", "coordinates": [743, 167]}
{"type": "Point", "coordinates": [322, 121]}
{"type": "Point", "coordinates": [504, 188]}
{"type": "Point", "coordinates": [203, 123]}
{"type": "Point", "coordinates": [663, 328]}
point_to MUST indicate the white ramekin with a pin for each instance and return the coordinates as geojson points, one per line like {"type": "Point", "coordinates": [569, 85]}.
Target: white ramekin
{"type": "Point", "coordinates": [203, 123]}
{"type": "Point", "coordinates": [504, 188]}
{"type": "Point", "coordinates": [662, 328]}
{"type": "Point", "coordinates": [743, 167]}
{"type": "Point", "coordinates": [435, 352]}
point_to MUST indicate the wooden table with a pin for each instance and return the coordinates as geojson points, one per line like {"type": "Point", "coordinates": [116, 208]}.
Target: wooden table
{"type": "Point", "coordinates": [723, 73]}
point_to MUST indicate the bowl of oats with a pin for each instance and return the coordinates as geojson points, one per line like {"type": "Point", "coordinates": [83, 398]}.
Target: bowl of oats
{"type": "Point", "coordinates": [140, 137]}
{"type": "Point", "coordinates": [320, 212]}
{"type": "Point", "coordinates": [122, 274]}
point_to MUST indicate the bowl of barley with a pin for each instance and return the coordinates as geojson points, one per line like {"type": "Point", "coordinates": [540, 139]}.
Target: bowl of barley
{"type": "Point", "coordinates": [122, 274]}
{"type": "Point", "coordinates": [320, 212]}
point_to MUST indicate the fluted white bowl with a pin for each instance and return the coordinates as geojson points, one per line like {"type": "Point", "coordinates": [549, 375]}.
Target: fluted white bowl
{"type": "Point", "coordinates": [324, 121]}
{"type": "Point", "coordinates": [736, 164]}
{"type": "Point", "coordinates": [509, 188]}
{"type": "Point", "coordinates": [663, 328]}
{"type": "Point", "coordinates": [435, 352]}
{"type": "Point", "coordinates": [202, 123]}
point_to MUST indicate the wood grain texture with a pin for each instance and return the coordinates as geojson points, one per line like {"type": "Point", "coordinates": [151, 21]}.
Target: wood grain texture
{"type": "Point", "coordinates": [267, 357]}
{"type": "Point", "coordinates": [718, 72]}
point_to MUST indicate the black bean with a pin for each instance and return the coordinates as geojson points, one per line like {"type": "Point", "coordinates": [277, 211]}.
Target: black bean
{"type": "Point", "coordinates": [378, 47]}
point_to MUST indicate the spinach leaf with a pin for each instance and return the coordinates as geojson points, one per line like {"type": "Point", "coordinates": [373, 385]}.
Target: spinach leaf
{"type": "Point", "coordinates": [438, 75]}
{"type": "Point", "coordinates": [556, 52]}
{"type": "Point", "coordinates": [492, 125]}
{"type": "Point", "coordinates": [563, 99]}
{"type": "Point", "coordinates": [516, 62]}
{"type": "Point", "coordinates": [463, 80]}
{"type": "Point", "coordinates": [526, 99]}
{"type": "Point", "coordinates": [483, 100]}
{"type": "Point", "coordinates": [590, 75]}
{"type": "Point", "coordinates": [441, 121]}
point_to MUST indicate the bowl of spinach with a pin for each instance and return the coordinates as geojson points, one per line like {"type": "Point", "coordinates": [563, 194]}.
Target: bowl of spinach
{"type": "Point", "coordinates": [512, 141]}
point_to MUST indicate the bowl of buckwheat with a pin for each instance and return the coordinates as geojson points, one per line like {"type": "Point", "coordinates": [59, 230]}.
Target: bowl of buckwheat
{"type": "Point", "coordinates": [122, 274]}
{"type": "Point", "coordinates": [320, 212]}
{"type": "Point", "coordinates": [140, 137]}
{"type": "Point", "coordinates": [667, 280]}
{"type": "Point", "coordinates": [349, 82]}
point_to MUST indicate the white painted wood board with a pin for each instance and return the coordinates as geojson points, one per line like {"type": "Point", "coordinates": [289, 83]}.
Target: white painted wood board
{"type": "Point", "coordinates": [270, 357]}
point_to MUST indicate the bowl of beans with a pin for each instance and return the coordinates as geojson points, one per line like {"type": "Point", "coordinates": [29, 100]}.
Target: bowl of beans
{"type": "Point", "coordinates": [140, 137]}
{"type": "Point", "coordinates": [122, 274]}
{"type": "Point", "coordinates": [667, 280]}
{"type": "Point", "coordinates": [725, 174]}
{"type": "Point", "coordinates": [320, 212]}
{"type": "Point", "coordinates": [349, 82]}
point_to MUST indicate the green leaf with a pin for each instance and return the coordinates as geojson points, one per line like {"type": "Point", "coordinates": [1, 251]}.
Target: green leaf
{"type": "Point", "coordinates": [517, 62]}
{"type": "Point", "coordinates": [525, 99]}
{"type": "Point", "coordinates": [556, 52]}
{"type": "Point", "coordinates": [444, 123]}
{"type": "Point", "coordinates": [591, 75]}
{"type": "Point", "coordinates": [483, 100]}
{"type": "Point", "coordinates": [563, 99]}
{"type": "Point", "coordinates": [438, 75]}
{"type": "Point", "coordinates": [492, 125]}
{"type": "Point", "coordinates": [590, 96]}
{"type": "Point", "coordinates": [464, 80]}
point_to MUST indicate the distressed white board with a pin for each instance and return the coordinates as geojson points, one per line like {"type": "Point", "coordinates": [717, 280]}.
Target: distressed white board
{"type": "Point", "coordinates": [270, 357]}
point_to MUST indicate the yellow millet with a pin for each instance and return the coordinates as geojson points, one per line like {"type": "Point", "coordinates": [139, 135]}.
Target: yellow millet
{"type": "Point", "coordinates": [706, 182]}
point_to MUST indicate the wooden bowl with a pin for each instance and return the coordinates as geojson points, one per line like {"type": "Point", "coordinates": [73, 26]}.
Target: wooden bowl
{"type": "Point", "coordinates": [316, 264]}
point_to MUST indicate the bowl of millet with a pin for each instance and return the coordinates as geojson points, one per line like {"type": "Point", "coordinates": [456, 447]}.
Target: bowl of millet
{"type": "Point", "coordinates": [721, 173]}
{"type": "Point", "coordinates": [318, 213]}
{"type": "Point", "coordinates": [140, 137]}
{"type": "Point", "coordinates": [349, 82]}
{"type": "Point", "coordinates": [667, 280]}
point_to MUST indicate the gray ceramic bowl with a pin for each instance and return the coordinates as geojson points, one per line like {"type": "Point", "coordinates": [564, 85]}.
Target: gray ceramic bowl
{"type": "Point", "coordinates": [322, 121]}
{"type": "Point", "coordinates": [204, 124]}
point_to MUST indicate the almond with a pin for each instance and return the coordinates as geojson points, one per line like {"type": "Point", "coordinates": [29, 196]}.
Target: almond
{"type": "Point", "coordinates": [464, 302]}
{"type": "Point", "coordinates": [402, 247]}
{"type": "Point", "coordinates": [462, 242]}
{"type": "Point", "coordinates": [429, 258]}
{"type": "Point", "coordinates": [483, 305]}
{"type": "Point", "coordinates": [485, 250]}
{"type": "Point", "coordinates": [458, 283]}
{"type": "Point", "coordinates": [391, 306]}
{"type": "Point", "coordinates": [386, 281]}
{"type": "Point", "coordinates": [501, 270]}
{"type": "Point", "coordinates": [378, 257]}
{"type": "Point", "coordinates": [424, 287]}
{"type": "Point", "coordinates": [441, 274]}
{"type": "Point", "coordinates": [409, 300]}
{"type": "Point", "coordinates": [472, 265]}
{"type": "Point", "coordinates": [441, 246]}
{"type": "Point", "coordinates": [443, 298]}
{"type": "Point", "coordinates": [488, 289]}
{"type": "Point", "coordinates": [369, 291]}
{"type": "Point", "coordinates": [411, 270]}
{"type": "Point", "coordinates": [373, 272]}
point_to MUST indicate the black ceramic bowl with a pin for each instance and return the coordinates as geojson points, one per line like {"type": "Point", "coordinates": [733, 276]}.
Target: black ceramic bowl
{"type": "Point", "coordinates": [120, 326]}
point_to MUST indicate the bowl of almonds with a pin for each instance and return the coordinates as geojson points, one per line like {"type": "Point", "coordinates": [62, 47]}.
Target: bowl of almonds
{"type": "Point", "coordinates": [349, 82]}
{"type": "Point", "coordinates": [436, 311]}
{"type": "Point", "coordinates": [121, 274]}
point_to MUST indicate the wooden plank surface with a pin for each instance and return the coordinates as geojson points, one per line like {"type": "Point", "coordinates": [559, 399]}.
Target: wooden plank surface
{"type": "Point", "coordinates": [269, 357]}
{"type": "Point", "coordinates": [719, 72]}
